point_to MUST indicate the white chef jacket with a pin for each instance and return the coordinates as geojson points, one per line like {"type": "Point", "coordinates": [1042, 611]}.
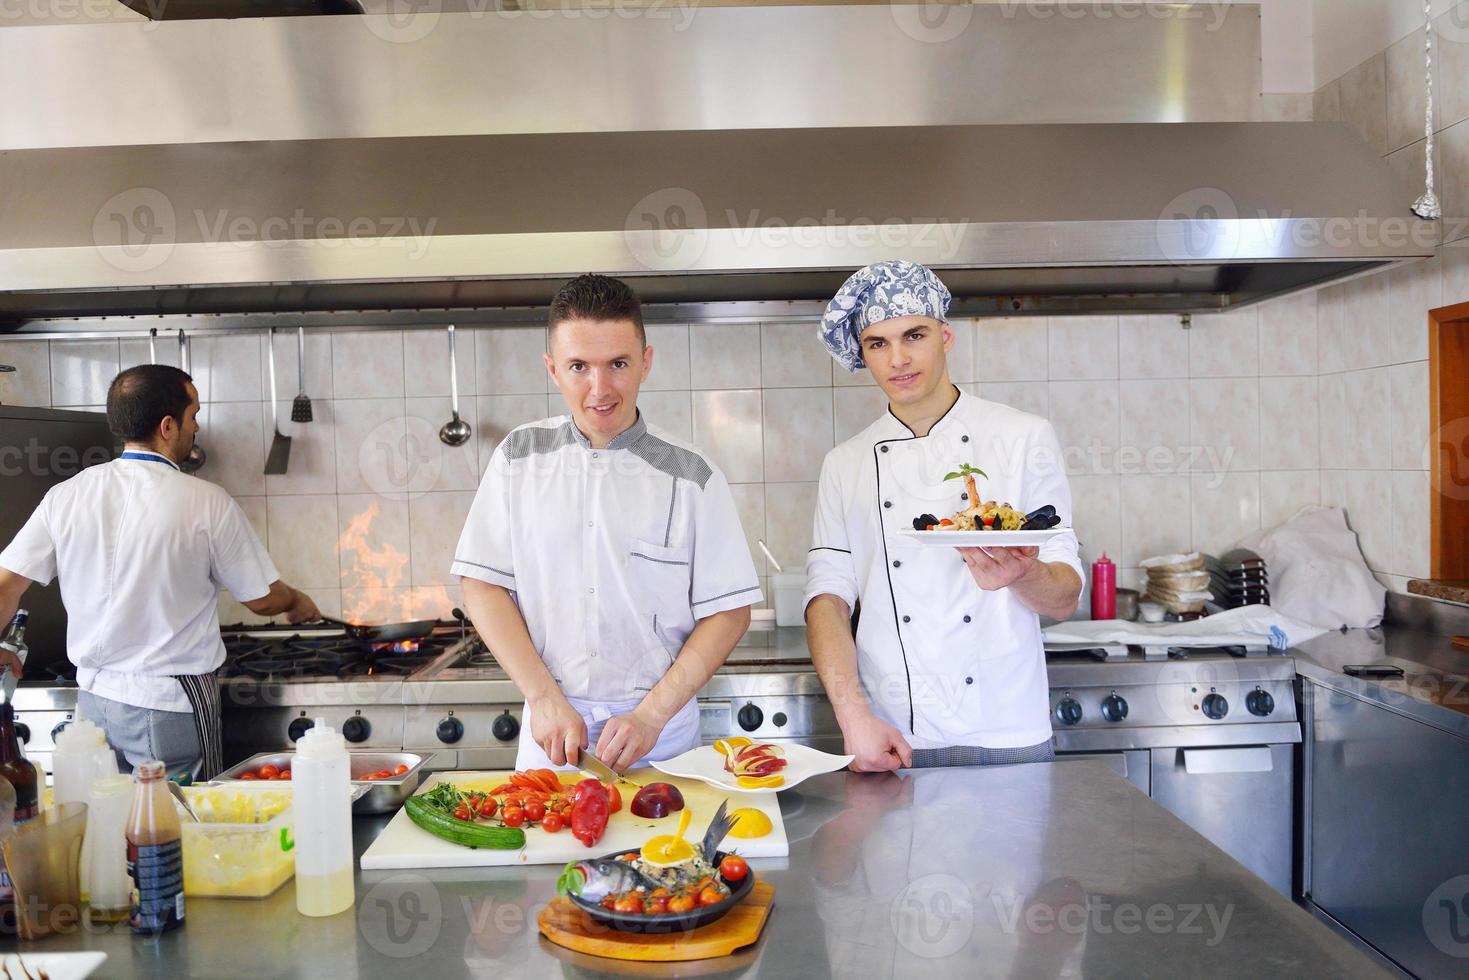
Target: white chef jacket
{"type": "Point", "coordinates": [142, 551]}
{"type": "Point", "coordinates": [944, 661]}
{"type": "Point", "coordinates": [612, 554]}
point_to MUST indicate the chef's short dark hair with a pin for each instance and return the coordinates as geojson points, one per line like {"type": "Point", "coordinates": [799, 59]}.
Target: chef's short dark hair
{"type": "Point", "coordinates": [140, 398]}
{"type": "Point", "coordinates": [593, 297]}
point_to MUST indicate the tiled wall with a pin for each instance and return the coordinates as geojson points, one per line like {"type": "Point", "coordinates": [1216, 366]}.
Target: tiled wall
{"type": "Point", "coordinates": [1178, 439]}
{"type": "Point", "coordinates": [1374, 331]}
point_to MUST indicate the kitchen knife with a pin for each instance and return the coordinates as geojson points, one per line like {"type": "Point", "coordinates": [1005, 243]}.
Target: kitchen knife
{"type": "Point", "coordinates": [598, 769]}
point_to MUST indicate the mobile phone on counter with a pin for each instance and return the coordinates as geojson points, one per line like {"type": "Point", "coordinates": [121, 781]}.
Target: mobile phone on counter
{"type": "Point", "coordinates": [1373, 670]}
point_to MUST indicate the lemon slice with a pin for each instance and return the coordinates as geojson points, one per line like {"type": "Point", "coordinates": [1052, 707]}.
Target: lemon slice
{"type": "Point", "coordinates": [667, 850]}
{"type": "Point", "coordinates": [725, 746]}
{"type": "Point", "coordinates": [750, 823]}
{"type": "Point", "coordinates": [760, 782]}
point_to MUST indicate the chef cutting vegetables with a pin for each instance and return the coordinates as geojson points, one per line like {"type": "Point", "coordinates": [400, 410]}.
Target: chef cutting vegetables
{"type": "Point", "coordinates": [946, 666]}
{"type": "Point", "coordinates": [602, 560]}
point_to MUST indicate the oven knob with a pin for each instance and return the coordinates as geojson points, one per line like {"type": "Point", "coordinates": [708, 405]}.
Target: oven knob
{"type": "Point", "coordinates": [23, 731]}
{"type": "Point", "coordinates": [505, 727]}
{"type": "Point", "coordinates": [356, 729]}
{"type": "Point", "coordinates": [60, 727]}
{"type": "Point", "coordinates": [1215, 706]}
{"type": "Point", "coordinates": [299, 727]}
{"type": "Point", "coordinates": [1068, 711]}
{"type": "Point", "coordinates": [1259, 702]}
{"type": "Point", "coordinates": [779, 719]}
{"type": "Point", "coordinates": [450, 730]}
{"type": "Point", "coordinates": [1114, 708]}
{"type": "Point", "coordinates": [750, 717]}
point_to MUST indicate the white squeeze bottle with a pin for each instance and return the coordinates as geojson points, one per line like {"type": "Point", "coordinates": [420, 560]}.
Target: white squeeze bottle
{"type": "Point", "coordinates": [74, 763]}
{"type": "Point", "coordinates": [322, 805]}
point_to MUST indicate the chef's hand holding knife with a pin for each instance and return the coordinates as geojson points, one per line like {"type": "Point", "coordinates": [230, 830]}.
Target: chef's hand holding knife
{"type": "Point", "coordinates": [557, 727]}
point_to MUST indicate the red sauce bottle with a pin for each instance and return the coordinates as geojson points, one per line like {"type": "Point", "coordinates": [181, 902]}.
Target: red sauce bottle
{"type": "Point", "coordinates": [1104, 588]}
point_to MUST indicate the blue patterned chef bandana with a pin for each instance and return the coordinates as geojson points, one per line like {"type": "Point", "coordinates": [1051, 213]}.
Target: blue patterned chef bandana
{"type": "Point", "coordinates": [881, 291]}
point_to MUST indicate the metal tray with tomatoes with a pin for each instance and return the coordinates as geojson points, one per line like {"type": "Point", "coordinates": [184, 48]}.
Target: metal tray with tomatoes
{"type": "Point", "coordinates": [731, 870]}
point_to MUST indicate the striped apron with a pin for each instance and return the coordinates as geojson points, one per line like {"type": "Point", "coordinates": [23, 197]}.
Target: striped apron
{"type": "Point", "coordinates": [202, 690]}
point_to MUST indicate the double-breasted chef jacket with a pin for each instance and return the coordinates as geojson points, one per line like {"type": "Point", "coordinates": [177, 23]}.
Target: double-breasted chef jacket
{"type": "Point", "coordinates": [944, 661]}
{"type": "Point", "coordinates": [612, 556]}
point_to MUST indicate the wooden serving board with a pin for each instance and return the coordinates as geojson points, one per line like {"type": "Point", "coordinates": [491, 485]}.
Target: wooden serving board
{"type": "Point", "coordinates": [566, 925]}
{"type": "Point", "coordinates": [403, 844]}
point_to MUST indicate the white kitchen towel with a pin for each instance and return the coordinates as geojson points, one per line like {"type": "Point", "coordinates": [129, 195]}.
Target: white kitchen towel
{"type": "Point", "coordinates": [1317, 572]}
{"type": "Point", "coordinates": [1245, 625]}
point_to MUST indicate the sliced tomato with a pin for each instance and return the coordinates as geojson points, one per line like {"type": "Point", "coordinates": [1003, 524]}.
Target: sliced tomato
{"type": "Point", "coordinates": [285, 774]}
{"type": "Point", "coordinates": [268, 771]}
{"type": "Point", "coordinates": [400, 769]}
{"type": "Point", "coordinates": [615, 796]}
{"type": "Point", "coordinates": [248, 775]}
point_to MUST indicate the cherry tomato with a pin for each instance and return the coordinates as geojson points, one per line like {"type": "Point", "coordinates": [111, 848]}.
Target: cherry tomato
{"type": "Point", "coordinates": [535, 811]}
{"type": "Point", "coordinates": [248, 775]}
{"type": "Point", "coordinates": [711, 896]}
{"type": "Point", "coordinates": [734, 868]}
{"type": "Point", "coordinates": [462, 812]}
{"type": "Point", "coordinates": [285, 774]}
{"type": "Point", "coordinates": [681, 903]}
{"type": "Point", "coordinates": [399, 769]}
{"type": "Point", "coordinates": [268, 771]}
{"type": "Point", "coordinates": [628, 903]}
{"type": "Point", "coordinates": [513, 816]}
{"type": "Point", "coordinates": [608, 901]}
{"type": "Point", "coordinates": [382, 774]}
{"type": "Point", "coordinates": [552, 822]}
{"type": "Point", "coordinates": [656, 906]}
{"type": "Point", "coordinates": [486, 807]}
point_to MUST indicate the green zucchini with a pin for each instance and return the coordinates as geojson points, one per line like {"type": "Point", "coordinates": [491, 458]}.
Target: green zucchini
{"type": "Point", "coordinates": [464, 832]}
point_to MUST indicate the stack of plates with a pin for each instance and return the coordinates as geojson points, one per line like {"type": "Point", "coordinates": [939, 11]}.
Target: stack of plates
{"type": "Point", "coordinates": [1238, 578]}
{"type": "Point", "coordinates": [1179, 582]}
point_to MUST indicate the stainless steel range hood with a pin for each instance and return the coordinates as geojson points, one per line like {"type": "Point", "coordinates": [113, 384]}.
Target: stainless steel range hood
{"type": "Point", "coordinates": [1021, 219]}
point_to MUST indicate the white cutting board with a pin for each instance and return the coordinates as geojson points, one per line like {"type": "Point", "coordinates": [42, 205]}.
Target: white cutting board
{"type": "Point", "coordinates": [403, 844]}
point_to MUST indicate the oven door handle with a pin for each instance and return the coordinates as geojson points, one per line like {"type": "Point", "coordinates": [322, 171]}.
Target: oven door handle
{"type": "Point", "coordinates": [1249, 758]}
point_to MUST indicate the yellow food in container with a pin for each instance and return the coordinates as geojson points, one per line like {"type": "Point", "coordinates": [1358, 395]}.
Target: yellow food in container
{"type": "Point", "coordinates": [242, 845]}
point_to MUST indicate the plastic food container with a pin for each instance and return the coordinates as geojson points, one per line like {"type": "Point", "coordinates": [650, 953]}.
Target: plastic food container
{"type": "Point", "coordinates": [242, 846]}
{"type": "Point", "coordinates": [789, 589]}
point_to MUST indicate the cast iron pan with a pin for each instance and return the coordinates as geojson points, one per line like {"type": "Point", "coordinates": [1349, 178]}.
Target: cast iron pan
{"type": "Point", "coordinates": [671, 921]}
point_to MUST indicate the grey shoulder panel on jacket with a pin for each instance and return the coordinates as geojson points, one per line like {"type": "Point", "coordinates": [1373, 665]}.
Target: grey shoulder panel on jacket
{"type": "Point", "coordinates": [536, 440]}
{"type": "Point", "coordinates": [676, 461]}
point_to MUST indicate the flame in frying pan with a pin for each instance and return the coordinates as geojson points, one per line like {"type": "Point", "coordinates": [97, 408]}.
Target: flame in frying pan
{"type": "Point", "coordinates": [376, 586]}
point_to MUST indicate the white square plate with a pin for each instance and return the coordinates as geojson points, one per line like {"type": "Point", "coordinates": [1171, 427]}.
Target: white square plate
{"type": "Point", "coordinates": [57, 966]}
{"type": "Point", "coordinates": [983, 539]}
{"type": "Point", "coordinates": [707, 763]}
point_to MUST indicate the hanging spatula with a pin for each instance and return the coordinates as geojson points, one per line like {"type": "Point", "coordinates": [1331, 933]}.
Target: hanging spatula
{"type": "Point", "coordinates": [301, 407]}
{"type": "Point", "coordinates": [280, 446]}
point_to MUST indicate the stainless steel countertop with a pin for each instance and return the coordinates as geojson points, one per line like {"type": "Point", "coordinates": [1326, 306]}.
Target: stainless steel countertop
{"type": "Point", "coordinates": [1434, 688]}
{"type": "Point", "coordinates": [1021, 871]}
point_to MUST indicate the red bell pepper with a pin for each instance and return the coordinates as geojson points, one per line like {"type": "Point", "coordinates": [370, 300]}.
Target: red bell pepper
{"type": "Point", "coordinates": [590, 811]}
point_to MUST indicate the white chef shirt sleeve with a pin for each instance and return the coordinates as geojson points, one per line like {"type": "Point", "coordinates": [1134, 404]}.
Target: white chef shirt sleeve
{"type": "Point", "coordinates": [723, 575]}
{"type": "Point", "coordinates": [32, 552]}
{"type": "Point", "coordinates": [238, 560]}
{"type": "Point", "coordinates": [484, 551]}
{"type": "Point", "coordinates": [1046, 483]}
{"type": "Point", "coordinates": [830, 569]}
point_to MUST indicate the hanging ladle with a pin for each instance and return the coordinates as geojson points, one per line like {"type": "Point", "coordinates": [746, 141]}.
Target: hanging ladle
{"type": "Point", "coordinates": [456, 431]}
{"type": "Point", "coordinates": [197, 457]}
